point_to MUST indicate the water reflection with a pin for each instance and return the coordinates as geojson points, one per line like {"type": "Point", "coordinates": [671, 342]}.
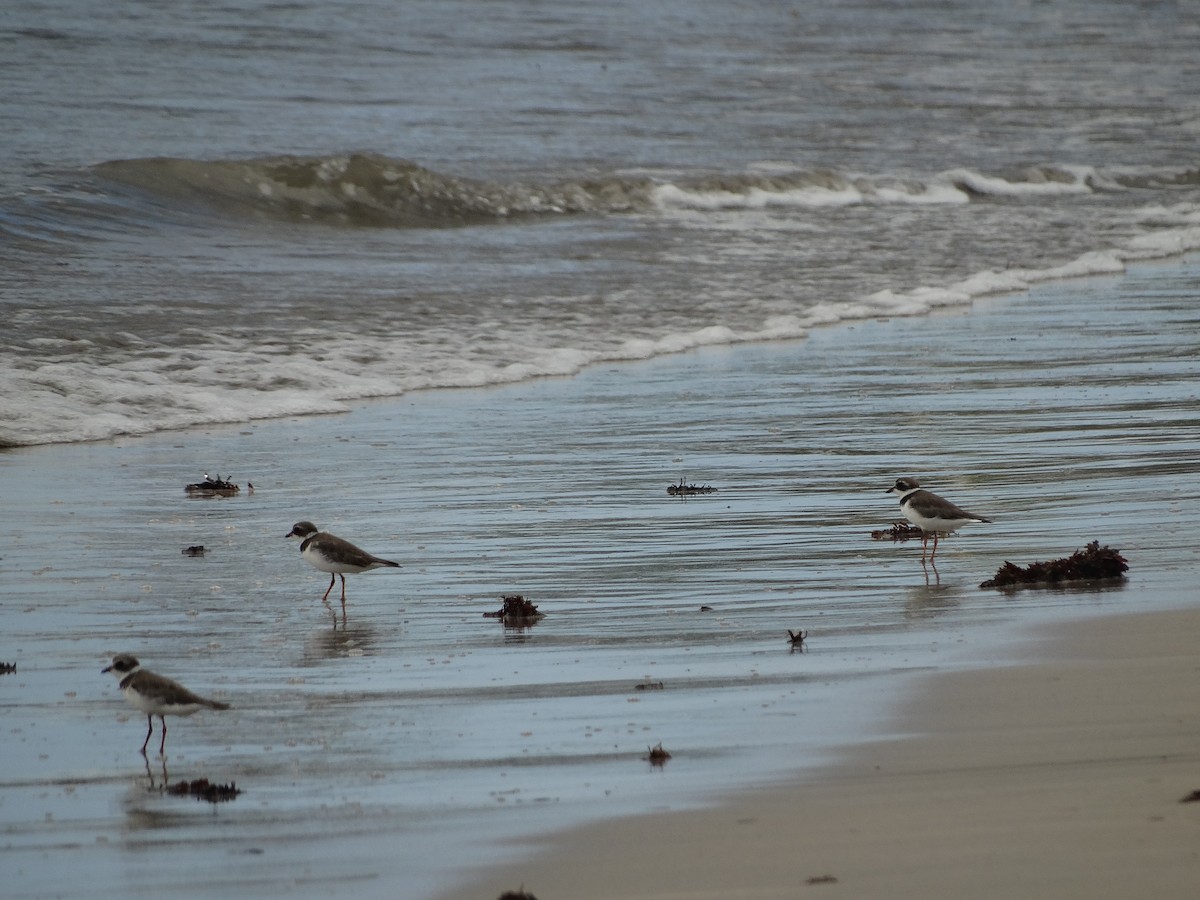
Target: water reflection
{"type": "Point", "coordinates": [517, 634]}
{"type": "Point", "coordinates": [349, 640]}
{"type": "Point", "coordinates": [160, 786]}
{"type": "Point", "coordinates": [932, 598]}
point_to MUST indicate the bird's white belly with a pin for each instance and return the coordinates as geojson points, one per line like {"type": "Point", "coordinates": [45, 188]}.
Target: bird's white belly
{"type": "Point", "coordinates": [319, 561]}
{"type": "Point", "coordinates": [931, 523]}
{"type": "Point", "coordinates": [152, 708]}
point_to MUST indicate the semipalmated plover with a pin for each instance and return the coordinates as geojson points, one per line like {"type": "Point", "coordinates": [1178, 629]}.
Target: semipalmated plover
{"type": "Point", "coordinates": [932, 514]}
{"type": "Point", "coordinates": [331, 554]}
{"type": "Point", "coordinates": [156, 696]}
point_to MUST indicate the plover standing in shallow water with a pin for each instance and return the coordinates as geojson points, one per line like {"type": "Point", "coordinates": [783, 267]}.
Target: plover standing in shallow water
{"type": "Point", "coordinates": [331, 554]}
{"type": "Point", "coordinates": [932, 514]}
{"type": "Point", "coordinates": [156, 696]}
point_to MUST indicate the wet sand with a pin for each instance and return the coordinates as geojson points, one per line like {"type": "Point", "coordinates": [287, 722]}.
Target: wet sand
{"type": "Point", "coordinates": [1058, 777]}
{"type": "Point", "coordinates": [415, 745]}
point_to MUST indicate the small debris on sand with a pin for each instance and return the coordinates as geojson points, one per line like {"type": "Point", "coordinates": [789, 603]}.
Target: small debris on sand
{"type": "Point", "coordinates": [686, 490]}
{"type": "Point", "coordinates": [1092, 563]}
{"type": "Point", "coordinates": [203, 789]}
{"type": "Point", "coordinates": [212, 487]}
{"type": "Point", "coordinates": [520, 894]}
{"type": "Point", "coordinates": [194, 550]}
{"type": "Point", "coordinates": [649, 685]}
{"type": "Point", "coordinates": [797, 637]}
{"type": "Point", "coordinates": [1193, 797]}
{"type": "Point", "coordinates": [822, 879]}
{"type": "Point", "coordinates": [658, 755]}
{"type": "Point", "coordinates": [900, 531]}
{"type": "Point", "coordinates": [7, 668]}
{"type": "Point", "coordinates": [516, 612]}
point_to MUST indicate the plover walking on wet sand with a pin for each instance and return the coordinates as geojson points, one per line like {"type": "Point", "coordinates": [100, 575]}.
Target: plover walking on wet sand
{"type": "Point", "coordinates": [156, 695]}
{"type": "Point", "coordinates": [329, 553]}
{"type": "Point", "coordinates": [932, 514]}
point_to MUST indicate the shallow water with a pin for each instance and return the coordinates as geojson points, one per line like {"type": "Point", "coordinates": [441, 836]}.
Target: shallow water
{"type": "Point", "coordinates": [391, 752]}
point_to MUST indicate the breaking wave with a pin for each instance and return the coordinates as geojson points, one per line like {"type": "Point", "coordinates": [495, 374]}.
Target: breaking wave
{"type": "Point", "coordinates": [366, 190]}
{"type": "Point", "coordinates": [369, 190]}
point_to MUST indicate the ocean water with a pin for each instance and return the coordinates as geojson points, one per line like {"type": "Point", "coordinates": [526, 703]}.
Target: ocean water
{"type": "Point", "coordinates": [222, 214]}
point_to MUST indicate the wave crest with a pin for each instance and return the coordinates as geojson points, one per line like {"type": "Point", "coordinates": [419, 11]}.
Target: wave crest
{"type": "Point", "coordinates": [365, 189]}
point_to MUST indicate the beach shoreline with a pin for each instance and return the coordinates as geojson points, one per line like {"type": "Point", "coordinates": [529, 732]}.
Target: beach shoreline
{"type": "Point", "coordinates": [472, 290]}
{"type": "Point", "coordinates": [420, 744]}
{"type": "Point", "coordinates": [1060, 776]}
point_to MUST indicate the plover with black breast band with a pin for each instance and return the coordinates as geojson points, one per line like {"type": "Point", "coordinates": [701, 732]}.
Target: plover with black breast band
{"type": "Point", "coordinates": [156, 695]}
{"type": "Point", "coordinates": [932, 514]}
{"type": "Point", "coordinates": [329, 553]}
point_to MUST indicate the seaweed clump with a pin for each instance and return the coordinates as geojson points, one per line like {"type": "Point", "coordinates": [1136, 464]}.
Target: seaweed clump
{"type": "Point", "coordinates": [684, 489]}
{"type": "Point", "coordinates": [213, 487]}
{"type": "Point", "coordinates": [7, 668]}
{"type": "Point", "coordinates": [1092, 563]}
{"type": "Point", "coordinates": [900, 531]}
{"type": "Point", "coordinates": [657, 755]}
{"type": "Point", "coordinates": [516, 612]}
{"type": "Point", "coordinates": [203, 789]}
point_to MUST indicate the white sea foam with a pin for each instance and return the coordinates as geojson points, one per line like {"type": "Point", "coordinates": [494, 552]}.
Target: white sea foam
{"type": "Point", "coordinates": [850, 191]}
{"type": "Point", "coordinates": [768, 253]}
{"type": "Point", "coordinates": [671, 196]}
{"type": "Point", "coordinates": [935, 192]}
{"type": "Point", "coordinates": [1171, 242]}
{"type": "Point", "coordinates": [1038, 182]}
{"type": "Point", "coordinates": [953, 186]}
{"type": "Point", "coordinates": [321, 373]}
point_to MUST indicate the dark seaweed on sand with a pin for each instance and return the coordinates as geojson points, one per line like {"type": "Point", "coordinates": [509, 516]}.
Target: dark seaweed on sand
{"type": "Point", "coordinates": [7, 668]}
{"type": "Point", "coordinates": [516, 611]}
{"type": "Point", "coordinates": [203, 789]}
{"type": "Point", "coordinates": [687, 490]}
{"type": "Point", "coordinates": [657, 755]}
{"type": "Point", "coordinates": [212, 487]}
{"type": "Point", "coordinates": [1092, 563]}
{"type": "Point", "coordinates": [900, 531]}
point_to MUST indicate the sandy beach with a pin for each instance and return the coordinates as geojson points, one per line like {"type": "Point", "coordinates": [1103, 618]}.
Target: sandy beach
{"type": "Point", "coordinates": [1060, 772]}
{"type": "Point", "coordinates": [931, 738]}
{"type": "Point", "coordinates": [1058, 777]}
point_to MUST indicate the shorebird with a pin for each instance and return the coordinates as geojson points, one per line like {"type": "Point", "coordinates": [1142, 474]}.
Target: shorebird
{"type": "Point", "coordinates": [331, 554]}
{"type": "Point", "coordinates": [932, 514]}
{"type": "Point", "coordinates": [156, 695]}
